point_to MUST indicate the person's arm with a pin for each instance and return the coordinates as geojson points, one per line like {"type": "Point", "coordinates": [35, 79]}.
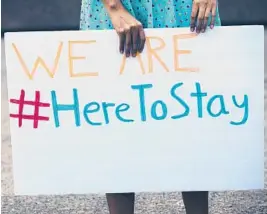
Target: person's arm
{"type": "Point", "coordinates": [130, 30]}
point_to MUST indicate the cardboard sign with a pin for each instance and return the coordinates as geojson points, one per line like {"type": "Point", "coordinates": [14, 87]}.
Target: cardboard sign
{"type": "Point", "coordinates": [186, 114]}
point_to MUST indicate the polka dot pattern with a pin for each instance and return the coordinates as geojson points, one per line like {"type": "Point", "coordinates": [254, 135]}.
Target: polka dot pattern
{"type": "Point", "coordinates": [151, 13]}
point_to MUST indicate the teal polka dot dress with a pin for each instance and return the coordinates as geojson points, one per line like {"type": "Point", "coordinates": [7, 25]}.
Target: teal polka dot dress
{"type": "Point", "coordinates": [151, 13]}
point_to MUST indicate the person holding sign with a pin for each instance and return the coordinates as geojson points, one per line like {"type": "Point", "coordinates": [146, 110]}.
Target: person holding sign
{"type": "Point", "coordinates": [129, 18]}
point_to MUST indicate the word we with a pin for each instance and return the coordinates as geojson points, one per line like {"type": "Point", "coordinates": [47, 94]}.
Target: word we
{"type": "Point", "coordinates": [159, 110]}
{"type": "Point", "coordinates": [151, 53]}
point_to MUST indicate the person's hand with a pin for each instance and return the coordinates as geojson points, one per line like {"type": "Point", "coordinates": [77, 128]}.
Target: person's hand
{"type": "Point", "coordinates": [130, 31]}
{"type": "Point", "coordinates": [201, 11]}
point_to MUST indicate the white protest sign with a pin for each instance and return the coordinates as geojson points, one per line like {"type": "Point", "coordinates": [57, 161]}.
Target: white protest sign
{"type": "Point", "coordinates": [186, 114]}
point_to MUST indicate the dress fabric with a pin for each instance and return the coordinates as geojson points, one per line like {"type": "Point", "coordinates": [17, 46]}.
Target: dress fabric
{"type": "Point", "coordinates": [151, 13]}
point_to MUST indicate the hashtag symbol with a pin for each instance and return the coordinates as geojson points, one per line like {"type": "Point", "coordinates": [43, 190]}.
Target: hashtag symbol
{"type": "Point", "coordinates": [35, 117]}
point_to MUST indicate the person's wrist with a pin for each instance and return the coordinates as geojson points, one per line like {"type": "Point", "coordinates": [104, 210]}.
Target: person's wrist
{"type": "Point", "coordinates": [113, 5]}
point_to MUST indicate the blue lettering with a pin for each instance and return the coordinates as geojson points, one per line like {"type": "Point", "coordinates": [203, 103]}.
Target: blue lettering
{"type": "Point", "coordinates": [141, 89]}
{"type": "Point", "coordinates": [87, 110]}
{"type": "Point", "coordinates": [122, 108]}
{"type": "Point", "coordinates": [183, 103]}
{"type": "Point", "coordinates": [71, 107]}
{"type": "Point", "coordinates": [154, 110]}
{"type": "Point", "coordinates": [105, 107]}
{"type": "Point", "coordinates": [222, 106]}
{"type": "Point", "coordinates": [242, 105]}
{"type": "Point", "coordinates": [199, 95]}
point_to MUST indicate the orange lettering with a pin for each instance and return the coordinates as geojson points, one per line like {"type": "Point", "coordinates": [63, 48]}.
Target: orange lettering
{"type": "Point", "coordinates": [152, 52]}
{"type": "Point", "coordinates": [139, 60]}
{"type": "Point", "coordinates": [178, 52]}
{"type": "Point", "coordinates": [72, 58]}
{"type": "Point", "coordinates": [39, 60]}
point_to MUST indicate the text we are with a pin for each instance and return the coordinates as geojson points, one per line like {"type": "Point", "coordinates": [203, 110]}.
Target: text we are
{"type": "Point", "coordinates": [151, 56]}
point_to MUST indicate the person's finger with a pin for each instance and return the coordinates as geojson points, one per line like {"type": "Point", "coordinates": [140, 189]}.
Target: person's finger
{"type": "Point", "coordinates": [120, 31]}
{"type": "Point", "coordinates": [200, 18]}
{"type": "Point", "coordinates": [213, 14]}
{"type": "Point", "coordinates": [142, 38]}
{"type": "Point", "coordinates": [122, 42]}
{"type": "Point", "coordinates": [135, 38]}
{"type": "Point", "coordinates": [128, 41]}
{"type": "Point", "coordinates": [193, 16]}
{"type": "Point", "coordinates": [206, 18]}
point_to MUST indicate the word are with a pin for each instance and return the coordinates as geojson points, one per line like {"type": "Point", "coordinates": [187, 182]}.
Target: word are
{"type": "Point", "coordinates": [157, 111]}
